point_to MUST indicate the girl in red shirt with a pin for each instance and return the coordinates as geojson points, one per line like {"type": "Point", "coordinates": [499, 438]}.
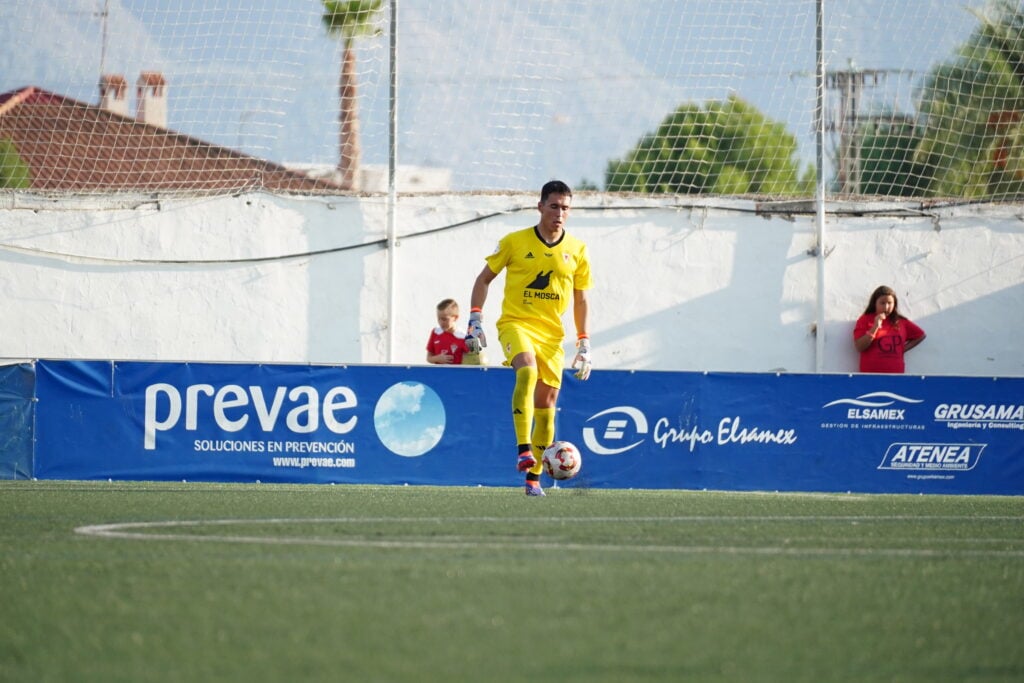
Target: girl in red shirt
{"type": "Point", "coordinates": [882, 335]}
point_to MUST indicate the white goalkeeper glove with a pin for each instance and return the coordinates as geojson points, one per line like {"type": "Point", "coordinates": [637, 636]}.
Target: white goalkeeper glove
{"type": "Point", "coordinates": [582, 359]}
{"type": "Point", "coordinates": [475, 338]}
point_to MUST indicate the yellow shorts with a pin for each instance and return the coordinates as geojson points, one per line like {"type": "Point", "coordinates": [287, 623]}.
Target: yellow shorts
{"type": "Point", "coordinates": [549, 355]}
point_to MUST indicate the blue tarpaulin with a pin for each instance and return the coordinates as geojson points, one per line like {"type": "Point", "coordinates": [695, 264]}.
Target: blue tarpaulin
{"type": "Point", "coordinates": [16, 412]}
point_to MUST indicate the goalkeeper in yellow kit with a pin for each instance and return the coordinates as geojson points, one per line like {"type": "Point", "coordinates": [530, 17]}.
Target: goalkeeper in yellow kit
{"type": "Point", "coordinates": [544, 268]}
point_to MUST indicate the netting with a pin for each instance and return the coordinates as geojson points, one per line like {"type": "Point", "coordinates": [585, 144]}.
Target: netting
{"type": "Point", "coordinates": [923, 99]}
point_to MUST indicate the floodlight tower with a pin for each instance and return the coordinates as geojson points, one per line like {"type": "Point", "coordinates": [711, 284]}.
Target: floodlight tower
{"type": "Point", "coordinates": [850, 83]}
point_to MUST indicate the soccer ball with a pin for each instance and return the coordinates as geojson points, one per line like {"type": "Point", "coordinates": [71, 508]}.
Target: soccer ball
{"type": "Point", "coordinates": [562, 460]}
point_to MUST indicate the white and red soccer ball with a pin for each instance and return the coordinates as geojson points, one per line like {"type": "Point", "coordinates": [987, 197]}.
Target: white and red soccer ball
{"type": "Point", "coordinates": [562, 460]}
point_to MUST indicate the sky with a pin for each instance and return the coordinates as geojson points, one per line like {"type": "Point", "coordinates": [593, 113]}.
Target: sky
{"type": "Point", "coordinates": [505, 93]}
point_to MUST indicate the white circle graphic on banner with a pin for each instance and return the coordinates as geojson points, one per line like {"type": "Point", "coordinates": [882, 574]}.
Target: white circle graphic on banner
{"type": "Point", "coordinates": [409, 418]}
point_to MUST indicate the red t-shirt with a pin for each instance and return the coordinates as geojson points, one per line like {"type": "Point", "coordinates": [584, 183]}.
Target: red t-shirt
{"type": "Point", "coordinates": [446, 342]}
{"type": "Point", "coordinates": [886, 352]}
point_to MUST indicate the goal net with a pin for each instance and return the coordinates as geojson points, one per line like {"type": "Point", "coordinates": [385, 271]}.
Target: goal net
{"type": "Point", "coordinates": [923, 99]}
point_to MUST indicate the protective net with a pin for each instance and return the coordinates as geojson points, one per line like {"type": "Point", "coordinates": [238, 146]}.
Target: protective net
{"type": "Point", "coordinates": [923, 99]}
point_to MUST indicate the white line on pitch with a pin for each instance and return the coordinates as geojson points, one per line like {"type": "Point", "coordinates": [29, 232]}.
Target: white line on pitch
{"type": "Point", "coordinates": [125, 531]}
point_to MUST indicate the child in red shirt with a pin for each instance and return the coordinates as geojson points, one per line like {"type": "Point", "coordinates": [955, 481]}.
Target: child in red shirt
{"type": "Point", "coordinates": [882, 335]}
{"type": "Point", "coordinates": [446, 346]}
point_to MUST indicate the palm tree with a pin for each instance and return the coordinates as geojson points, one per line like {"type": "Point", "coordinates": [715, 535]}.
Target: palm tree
{"type": "Point", "coordinates": [348, 20]}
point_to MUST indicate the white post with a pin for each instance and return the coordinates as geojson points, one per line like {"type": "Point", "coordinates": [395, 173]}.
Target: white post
{"type": "Point", "coordinates": [819, 329]}
{"type": "Point", "coordinates": [392, 178]}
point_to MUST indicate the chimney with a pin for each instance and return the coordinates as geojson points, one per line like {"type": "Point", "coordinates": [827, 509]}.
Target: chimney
{"type": "Point", "coordinates": [114, 93]}
{"type": "Point", "coordinates": [151, 98]}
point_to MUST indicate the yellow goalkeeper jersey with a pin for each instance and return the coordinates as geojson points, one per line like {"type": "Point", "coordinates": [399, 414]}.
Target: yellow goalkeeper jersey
{"type": "Point", "coordinates": [539, 279]}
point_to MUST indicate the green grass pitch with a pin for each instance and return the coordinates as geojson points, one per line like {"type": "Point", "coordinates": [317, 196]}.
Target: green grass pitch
{"type": "Point", "coordinates": [136, 581]}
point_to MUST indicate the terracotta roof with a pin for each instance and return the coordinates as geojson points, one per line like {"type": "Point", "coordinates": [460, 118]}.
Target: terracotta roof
{"type": "Point", "coordinates": [70, 146]}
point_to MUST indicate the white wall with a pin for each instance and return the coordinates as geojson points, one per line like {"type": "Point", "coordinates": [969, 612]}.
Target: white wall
{"type": "Point", "coordinates": [713, 286]}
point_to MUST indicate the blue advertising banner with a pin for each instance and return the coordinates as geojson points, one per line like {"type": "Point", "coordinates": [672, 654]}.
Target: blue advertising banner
{"type": "Point", "coordinates": [17, 384]}
{"type": "Point", "coordinates": [793, 432]}
{"type": "Point", "coordinates": [271, 423]}
{"type": "Point", "coordinates": [452, 426]}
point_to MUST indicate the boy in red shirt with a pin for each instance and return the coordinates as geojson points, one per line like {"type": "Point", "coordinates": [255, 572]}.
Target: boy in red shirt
{"type": "Point", "coordinates": [447, 346]}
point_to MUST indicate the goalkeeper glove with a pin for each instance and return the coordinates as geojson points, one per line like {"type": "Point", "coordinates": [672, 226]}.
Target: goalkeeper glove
{"type": "Point", "coordinates": [582, 359]}
{"type": "Point", "coordinates": [475, 338]}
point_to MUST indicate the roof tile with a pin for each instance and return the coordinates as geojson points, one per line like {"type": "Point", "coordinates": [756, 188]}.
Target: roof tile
{"type": "Point", "coordinates": [71, 146]}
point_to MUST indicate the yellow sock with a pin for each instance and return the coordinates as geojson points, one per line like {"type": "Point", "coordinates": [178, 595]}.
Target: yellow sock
{"type": "Point", "coordinates": [543, 434]}
{"type": "Point", "coordinates": [522, 402]}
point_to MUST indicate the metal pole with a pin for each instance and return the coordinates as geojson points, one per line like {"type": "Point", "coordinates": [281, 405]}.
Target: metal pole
{"type": "Point", "coordinates": [819, 329]}
{"type": "Point", "coordinates": [392, 181]}
{"type": "Point", "coordinates": [103, 39]}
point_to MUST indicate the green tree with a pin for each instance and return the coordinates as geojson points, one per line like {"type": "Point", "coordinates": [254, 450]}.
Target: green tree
{"type": "Point", "coordinates": [14, 173]}
{"type": "Point", "coordinates": [972, 108]}
{"type": "Point", "coordinates": [886, 155]}
{"type": "Point", "coordinates": [348, 20]}
{"type": "Point", "coordinates": [728, 147]}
